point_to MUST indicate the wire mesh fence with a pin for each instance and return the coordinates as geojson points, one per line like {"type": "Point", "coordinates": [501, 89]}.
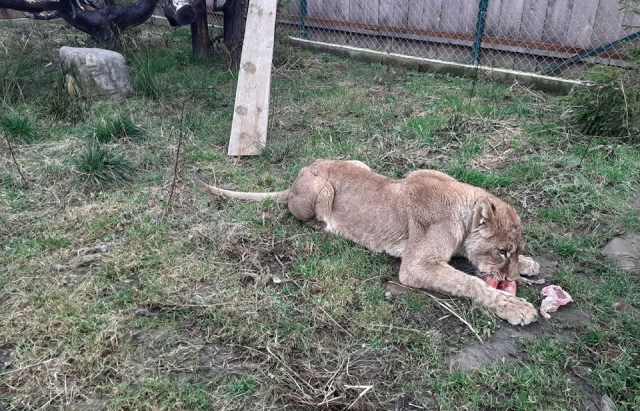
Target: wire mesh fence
{"type": "Point", "coordinates": [555, 37]}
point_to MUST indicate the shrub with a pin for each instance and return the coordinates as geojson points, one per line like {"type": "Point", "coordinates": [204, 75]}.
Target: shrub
{"type": "Point", "coordinates": [100, 165]}
{"type": "Point", "coordinates": [611, 106]}
{"type": "Point", "coordinates": [18, 128]}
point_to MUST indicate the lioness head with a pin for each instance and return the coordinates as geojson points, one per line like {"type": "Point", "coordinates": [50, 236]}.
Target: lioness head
{"type": "Point", "coordinates": [495, 240]}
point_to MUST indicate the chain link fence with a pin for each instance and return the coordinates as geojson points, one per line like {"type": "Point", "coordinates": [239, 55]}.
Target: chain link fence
{"type": "Point", "coordinates": [554, 37]}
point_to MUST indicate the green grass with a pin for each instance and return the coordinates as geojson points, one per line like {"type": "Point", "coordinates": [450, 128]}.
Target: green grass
{"type": "Point", "coordinates": [98, 165]}
{"type": "Point", "coordinates": [18, 128]}
{"type": "Point", "coordinates": [117, 127]}
{"type": "Point", "coordinates": [184, 310]}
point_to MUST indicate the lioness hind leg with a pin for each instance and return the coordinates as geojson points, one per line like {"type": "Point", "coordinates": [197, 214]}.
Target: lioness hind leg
{"type": "Point", "coordinates": [311, 199]}
{"type": "Point", "coordinates": [527, 266]}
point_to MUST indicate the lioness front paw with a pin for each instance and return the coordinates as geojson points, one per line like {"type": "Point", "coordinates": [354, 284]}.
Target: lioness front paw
{"type": "Point", "coordinates": [515, 310]}
{"type": "Point", "coordinates": [527, 266]}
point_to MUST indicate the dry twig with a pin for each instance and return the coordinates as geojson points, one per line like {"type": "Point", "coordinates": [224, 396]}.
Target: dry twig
{"type": "Point", "coordinates": [6, 135]}
{"type": "Point", "coordinates": [175, 164]}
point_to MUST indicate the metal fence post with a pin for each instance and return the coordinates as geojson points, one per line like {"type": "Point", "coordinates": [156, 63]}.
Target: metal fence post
{"type": "Point", "coordinates": [483, 6]}
{"type": "Point", "coordinates": [303, 18]}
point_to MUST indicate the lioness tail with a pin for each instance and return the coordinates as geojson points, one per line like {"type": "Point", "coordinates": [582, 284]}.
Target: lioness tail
{"type": "Point", "coordinates": [277, 196]}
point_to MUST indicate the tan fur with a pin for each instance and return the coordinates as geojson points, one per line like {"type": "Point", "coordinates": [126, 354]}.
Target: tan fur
{"type": "Point", "coordinates": [426, 218]}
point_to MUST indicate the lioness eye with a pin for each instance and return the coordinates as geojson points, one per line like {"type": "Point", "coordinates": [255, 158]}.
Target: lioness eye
{"type": "Point", "coordinates": [505, 253]}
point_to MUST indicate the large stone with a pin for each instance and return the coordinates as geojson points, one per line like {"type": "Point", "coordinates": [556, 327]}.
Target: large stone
{"type": "Point", "coordinates": [625, 251]}
{"type": "Point", "coordinates": [93, 72]}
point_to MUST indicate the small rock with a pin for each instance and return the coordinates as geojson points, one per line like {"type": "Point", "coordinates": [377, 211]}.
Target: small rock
{"type": "Point", "coordinates": [606, 404]}
{"type": "Point", "coordinates": [58, 267]}
{"type": "Point", "coordinates": [186, 324]}
{"type": "Point", "coordinates": [142, 312]}
{"type": "Point", "coordinates": [87, 260]}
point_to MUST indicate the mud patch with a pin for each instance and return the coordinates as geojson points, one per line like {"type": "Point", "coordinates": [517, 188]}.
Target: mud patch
{"type": "Point", "coordinates": [624, 251]}
{"type": "Point", "coordinates": [6, 357]}
{"type": "Point", "coordinates": [502, 346]}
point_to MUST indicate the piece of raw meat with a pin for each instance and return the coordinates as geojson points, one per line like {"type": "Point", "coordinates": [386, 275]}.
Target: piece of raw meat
{"type": "Point", "coordinates": [555, 297]}
{"type": "Point", "coordinates": [509, 286]}
{"type": "Point", "coordinates": [491, 282]}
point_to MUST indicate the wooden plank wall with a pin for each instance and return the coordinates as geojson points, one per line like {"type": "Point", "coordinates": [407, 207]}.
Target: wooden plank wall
{"type": "Point", "coordinates": [569, 24]}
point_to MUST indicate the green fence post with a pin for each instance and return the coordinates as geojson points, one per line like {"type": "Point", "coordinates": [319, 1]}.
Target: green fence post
{"type": "Point", "coordinates": [303, 18]}
{"type": "Point", "coordinates": [483, 6]}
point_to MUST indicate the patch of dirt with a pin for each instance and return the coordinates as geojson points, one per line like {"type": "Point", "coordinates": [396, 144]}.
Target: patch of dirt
{"type": "Point", "coordinates": [634, 203]}
{"type": "Point", "coordinates": [261, 257]}
{"type": "Point", "coordinates": [624, 251]}
{"type": "Point", "coordinates": [166, 350]}
{"type": "Point", "coordinates": [502, 347]}
{"type": "Point", "coordinates": [6, 354]}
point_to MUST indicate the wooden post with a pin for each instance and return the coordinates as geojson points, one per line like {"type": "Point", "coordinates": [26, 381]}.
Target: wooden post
{"type": "Point", "coordinates": [251, 110]}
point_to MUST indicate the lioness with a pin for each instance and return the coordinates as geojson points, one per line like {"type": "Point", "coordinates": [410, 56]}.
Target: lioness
{"type": "Point", "coordinates": [426, 218]}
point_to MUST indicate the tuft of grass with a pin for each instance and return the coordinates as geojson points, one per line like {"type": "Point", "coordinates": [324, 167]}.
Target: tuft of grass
{"type": "Point", "coordinates": [100, 165]}
{"type": "Point", "coordinates": [278, 151]}
{"type": "Point", "coordinates": [62, 106]}
{"type": "Point", "coordinates": [145, 82]}
{"type": "Point", "coordinates": [241, 385]}
{"type": "Point", "coordinates": [18, 128]}
{"type": "Point", "coordinates": [116, 128]}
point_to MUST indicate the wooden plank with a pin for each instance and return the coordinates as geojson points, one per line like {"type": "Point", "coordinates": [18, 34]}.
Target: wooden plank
{"type": "Point", "coordinates": [425, 15]}
{"type": "Point", "coordinates": [583, 16]}
{"type": "Point", "coordinates": [533, 19]}
{"type": "Point", "coordinates": [557, 21]}
{"type": "Point", "coordinates": [468, 16]}
{"type": "Point", "coordinates": [607, 26]}
{"type": "Point", "coordinates": [336, 9]}
{"type": "Point", "coordinates": [251, 110]}
{"type": "Point", "coordinates": [492, 27]}
{"type": "Point", "coordinates": [385, 12]}
{"type": "Point", "coordinates": [393, 13]}
{"type": "Point", "coordinates": [363, 11]}
{"type": "Point", "coordinates": [316, 9]}
{"type": "Point", "coordinates": [450, 22]}
{"type": "Point", "coordinates": [511, 18]}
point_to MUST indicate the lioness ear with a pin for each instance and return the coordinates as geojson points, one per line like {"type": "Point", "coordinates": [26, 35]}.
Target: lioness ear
{"type": "Point", "coordinates": [484, 211]}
